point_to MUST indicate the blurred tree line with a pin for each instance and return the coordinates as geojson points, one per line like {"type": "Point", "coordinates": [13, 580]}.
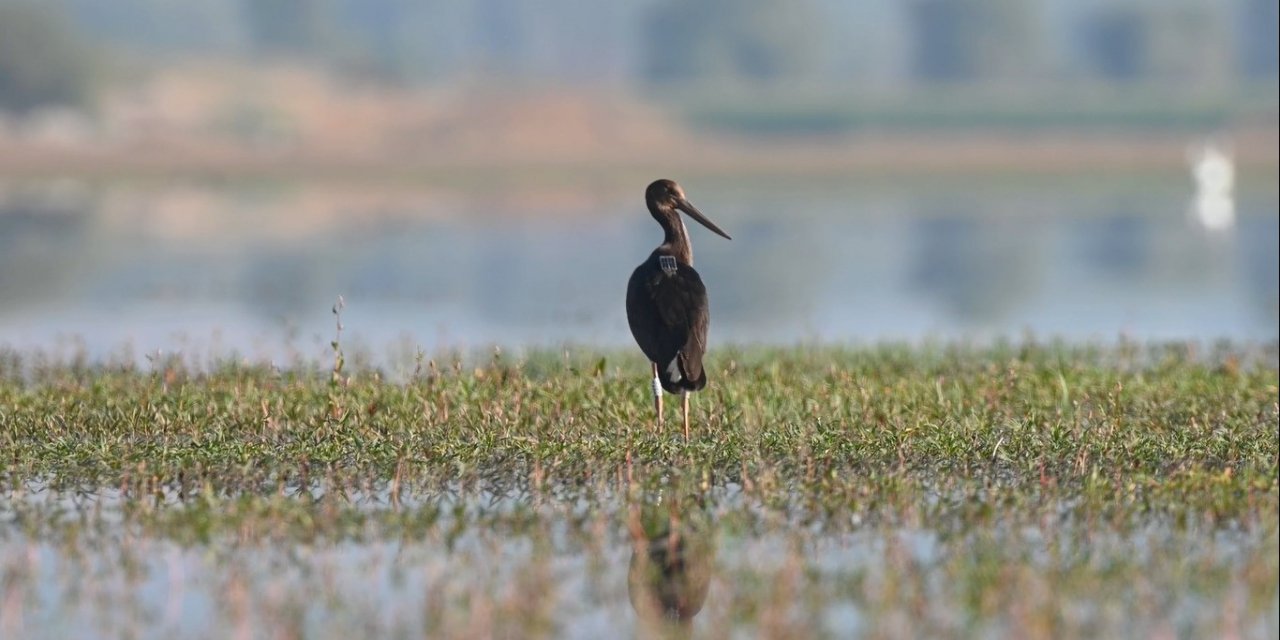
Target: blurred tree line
{"type": "Point", "coordinates": [752, 40]}
{"type": "Point", "coordinates": [819, 43]}
{"type": "Point", "coordinates": [42, 59]}
{"type": "Point", "coordinates": [964, 40]}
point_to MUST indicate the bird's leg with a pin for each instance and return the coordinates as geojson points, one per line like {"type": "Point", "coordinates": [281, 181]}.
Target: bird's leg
{"type": "Point", "coordinates": [657, 394]}
{"type": "Point", "coordinates": [684, 400]}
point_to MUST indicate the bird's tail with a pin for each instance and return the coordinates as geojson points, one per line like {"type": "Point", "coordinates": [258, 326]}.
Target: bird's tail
{"type": "Point", "coordinates": [679, 376]}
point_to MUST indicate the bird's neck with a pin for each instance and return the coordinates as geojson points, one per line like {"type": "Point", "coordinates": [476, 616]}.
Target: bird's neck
{"type": "Point", "coordinates": [676, 239]}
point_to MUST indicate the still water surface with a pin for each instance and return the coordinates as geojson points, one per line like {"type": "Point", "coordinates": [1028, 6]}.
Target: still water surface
{"type": "Point", "coordinates": [257, 268]}
{"type": "Point", "coordinates": [576, 577]}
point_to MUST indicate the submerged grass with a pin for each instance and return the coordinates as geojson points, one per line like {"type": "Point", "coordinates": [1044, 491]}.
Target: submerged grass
{"type": "Point", "coordinates": [1018, 488]}
{"type": "Point", "coordinates": [818, 432]}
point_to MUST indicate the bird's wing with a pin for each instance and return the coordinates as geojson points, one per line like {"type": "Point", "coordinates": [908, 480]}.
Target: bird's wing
{"type": "Point", "coordinates": [696, 316]}
{"type": "Point", "coordinates": [672, 312]}
{"type": "Point", "coordinates": [647, 325]}
{"type": "Point", "coordinates": [681, 300]}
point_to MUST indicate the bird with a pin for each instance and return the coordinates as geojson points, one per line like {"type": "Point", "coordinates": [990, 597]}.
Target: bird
{"type": "Point", "coordinates": [667, 305]}
{"type": "Point", "coordinates": [671, 562]}
{"type": "Point", "coordinates": [1213, 170]}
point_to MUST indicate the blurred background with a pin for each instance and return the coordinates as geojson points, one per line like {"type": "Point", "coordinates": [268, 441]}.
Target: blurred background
{"type": "Point", "coordinates": [212, 174]}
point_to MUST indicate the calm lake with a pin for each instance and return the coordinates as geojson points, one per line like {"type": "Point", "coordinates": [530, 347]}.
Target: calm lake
{"type": "Point", "coordinates": [256, 268]}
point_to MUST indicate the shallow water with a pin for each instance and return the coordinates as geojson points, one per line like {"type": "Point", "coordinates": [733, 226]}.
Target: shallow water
{"type": "Point", "coordinates": [104, 574]}
{"type": "Point", "coordinates": [257, 268]}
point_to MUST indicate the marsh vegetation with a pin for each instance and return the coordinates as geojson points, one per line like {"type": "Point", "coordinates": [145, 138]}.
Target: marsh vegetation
{"type": "Point", "coordinates": [1032, 489]}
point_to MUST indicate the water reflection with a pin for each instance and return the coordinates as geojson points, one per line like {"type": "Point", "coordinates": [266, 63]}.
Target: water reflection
{"type": "Point", "coordinates": [671, 562]}
{"type": "Point", "coordinates": [1259, 244]}
{"type": "Point", "coordinates": [120, 264]}
{"type": "Point", "coordinates": [44, 244]}
{"type": "Point", "coordinates": [773, 270]}
{"type": "Point", "coordinates": [1115, 244]}
{"type": "Point", "coordinates": [979, 269]}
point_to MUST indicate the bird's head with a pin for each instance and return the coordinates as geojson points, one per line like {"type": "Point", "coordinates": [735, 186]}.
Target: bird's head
{"type": "Point", "coordinates": [665, 197]}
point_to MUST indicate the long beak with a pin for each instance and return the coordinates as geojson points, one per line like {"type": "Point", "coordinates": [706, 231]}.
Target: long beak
{"type": "Point", "coordinates": [692, 211]}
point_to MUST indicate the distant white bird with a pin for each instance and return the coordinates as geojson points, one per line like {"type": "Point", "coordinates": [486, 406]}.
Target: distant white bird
{"type": "Point", "coordinates": [1214, 172]}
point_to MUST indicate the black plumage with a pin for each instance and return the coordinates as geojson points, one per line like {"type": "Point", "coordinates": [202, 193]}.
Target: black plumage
{"type": "Point", "coordinates": [666, 300]}
{"type": "Point", "coordinates": [669, 315]}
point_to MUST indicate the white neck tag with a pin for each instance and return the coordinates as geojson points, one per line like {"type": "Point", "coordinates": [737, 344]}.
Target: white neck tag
{"type": "Point", "coordinates": [668, 264]}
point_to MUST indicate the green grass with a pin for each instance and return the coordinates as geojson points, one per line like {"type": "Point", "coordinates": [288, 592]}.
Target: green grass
{"type": "Point", "coordinates": [826, 431]}
{"type": "Point", "coordinates": [1022, 489]}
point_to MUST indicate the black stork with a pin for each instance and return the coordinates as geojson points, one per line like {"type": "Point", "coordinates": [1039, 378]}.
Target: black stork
{"type": "Point", "coordinates": [667, 302]}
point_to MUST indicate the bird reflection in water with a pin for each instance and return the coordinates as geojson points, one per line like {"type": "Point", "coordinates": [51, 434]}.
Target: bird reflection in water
{"type": "Point", "coordinates": [671, 561]}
